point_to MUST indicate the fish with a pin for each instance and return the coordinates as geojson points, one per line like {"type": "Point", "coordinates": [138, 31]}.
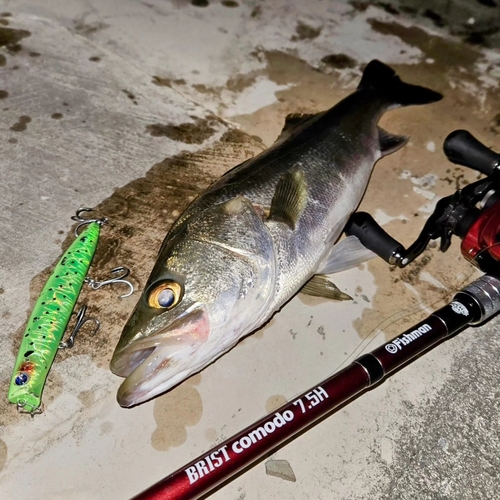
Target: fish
{"type": "Point", "coordinates": [267, 229]}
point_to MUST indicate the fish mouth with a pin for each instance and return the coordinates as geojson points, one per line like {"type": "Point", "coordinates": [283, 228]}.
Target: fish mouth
{"type": "Point", "coordinates": [156, 363]}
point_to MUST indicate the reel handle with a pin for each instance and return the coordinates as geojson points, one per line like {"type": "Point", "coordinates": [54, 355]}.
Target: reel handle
{"type": "Point", "coordinates": [463, 148]}
{"type": "Point", "coordinates": [372, 236]}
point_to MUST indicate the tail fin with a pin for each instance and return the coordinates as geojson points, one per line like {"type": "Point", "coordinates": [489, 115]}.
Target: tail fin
{"type": "Point", "coordinates": [380, 77]}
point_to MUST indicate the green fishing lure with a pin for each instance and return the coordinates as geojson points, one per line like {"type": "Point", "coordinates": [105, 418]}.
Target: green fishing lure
{"type": "Point", "coordinates": [51, 315]}
{"type": "Point", "coordinates": [49, 320]}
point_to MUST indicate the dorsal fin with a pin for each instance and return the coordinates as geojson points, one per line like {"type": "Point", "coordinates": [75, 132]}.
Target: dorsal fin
{"type": "Point", "coordinates": [289, 199]}
{"type": "Point", "coordinates": [292, 122]}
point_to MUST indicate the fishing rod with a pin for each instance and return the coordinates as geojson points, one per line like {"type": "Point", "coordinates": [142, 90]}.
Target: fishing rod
{"type": "Point", "coordinates": [472, 214]}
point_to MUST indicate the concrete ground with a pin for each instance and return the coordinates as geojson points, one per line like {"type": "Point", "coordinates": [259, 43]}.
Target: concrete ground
{"type": "Point", "coordinates": [133, 107]}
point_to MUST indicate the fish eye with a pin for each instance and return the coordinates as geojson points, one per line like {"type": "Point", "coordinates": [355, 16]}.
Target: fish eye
{"type": "Point", "coordinates": [165, 295]}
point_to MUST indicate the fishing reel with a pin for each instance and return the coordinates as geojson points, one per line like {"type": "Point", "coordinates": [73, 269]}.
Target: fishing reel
{"type": "Point", "coordinates": [471, 213]}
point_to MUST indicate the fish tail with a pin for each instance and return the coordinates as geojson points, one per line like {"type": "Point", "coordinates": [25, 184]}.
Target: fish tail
{"type": "Point", "coordinates": [380, 77]}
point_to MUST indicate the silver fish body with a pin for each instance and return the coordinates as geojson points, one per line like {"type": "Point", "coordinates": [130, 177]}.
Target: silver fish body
{"type": "Point", "coordinates": [256, 236]}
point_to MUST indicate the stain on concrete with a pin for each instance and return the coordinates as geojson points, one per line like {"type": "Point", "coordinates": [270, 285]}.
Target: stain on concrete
{"type": "Point", "coordinates": [21, 124]}
{"type": "Point", "coordinates": [173, 412]}
{"type": "Point", "coordinates": [6, 14]}
{"type": "Point", "coordinates": [455, 176]}
{"type": "Point", "coordinates": [388, 7]}
{"type": "Point", "coordinates": [130, 95]}
{"type": "Point", "coordinates": [474, 24]}
{"type": "Point", "coordinates": [3, 94]}
{"type": "Point", "coordinates": [167, 82]}
{"type": "Point", "coordinates": [448, 54]}
{"type": "Point", "coordinates": [411, 274]}
{"type": "Point", "coordinates": [95, 59]}
{"type": "Point", "coordinates": [230, 3]}
{"type": "Point", "coordinates": [10, 38]}
{"type": "Point", "coordinates": [238, 83]}
{"type": "Point", "coordinates": [195, 132]}
{"type": "Point", "coordinates": [34, 54]}
{"type": "Point", "coordinates": [13, 140]}
{"type": "Point", "coordinates": [3, 60]}
{"type": "Point", "coordinates": [211, 434]}
{"type": "Point", "coordinates": [478, 37]}
{"type": "Point", "coordinates": [359, 6]}
{"type": "Point", "coordinates": [339, 61]}
{"type": "Point", "coordinates": [87, 398]}
{"type": "Point", "coordinates": [436, 18]}
{"type": "Point", "coordinates": [305, 32]}
{"type": "Point", "coordinates": [200, 3]}
{"type": "Point", "coordinates": [53, 387]}
{"type": "Point", "coordinates": [87, 29]}
{"type": "Point", "coordinates": [3, 454]}
{"type": "Point", "coordinates": [56, 116]}
{"type": "Point", "coordinates": [495, 124]}
{"type": "Point", "coordinates": [4, 22]}
{"type": "Point", "coordinates": [107, 427]}
{"type": "Point", "coordinates": [274, 402]}
{"type": "Point", "coordinates": [401, 301]}
{"type": "Point", "coordinates": [256, 12]}
{"type": "Point", "coordinates": [312, 92]}
{"type": "Point", "coordinates": [321, 332]}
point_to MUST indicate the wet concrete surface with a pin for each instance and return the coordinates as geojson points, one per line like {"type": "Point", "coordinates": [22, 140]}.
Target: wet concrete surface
{"type": "Point", "coordinates": [116, 105]}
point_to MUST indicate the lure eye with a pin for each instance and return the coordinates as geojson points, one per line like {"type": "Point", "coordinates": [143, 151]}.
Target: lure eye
{"type": "Point", "coordinates": [21, 379]}
{"type": "Point", "coordinates": [165, 295]}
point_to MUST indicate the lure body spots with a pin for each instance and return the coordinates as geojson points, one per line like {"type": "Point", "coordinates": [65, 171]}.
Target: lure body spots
{"type": "Point", "coordinates": [49, 320]}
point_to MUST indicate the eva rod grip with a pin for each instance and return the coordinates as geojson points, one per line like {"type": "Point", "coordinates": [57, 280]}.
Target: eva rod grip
{"type": "Point", "coordinates": [463, 148]}
{"type": "Point", "coordinates": [372, 236]}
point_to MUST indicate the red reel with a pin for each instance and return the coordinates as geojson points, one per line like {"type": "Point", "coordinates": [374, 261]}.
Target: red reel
{"type": "Point", "coordinates": [483, 234]}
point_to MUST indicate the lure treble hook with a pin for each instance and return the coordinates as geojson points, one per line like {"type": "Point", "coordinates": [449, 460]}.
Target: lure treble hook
{"type": "Point", "coordinates": [35, 410]}
{"type": "Point", "coordinates": [80, 321]}
{"type": "Point", "coordinates": [125, 271]}
{"type": "Point", "coordinates": [84, 222]}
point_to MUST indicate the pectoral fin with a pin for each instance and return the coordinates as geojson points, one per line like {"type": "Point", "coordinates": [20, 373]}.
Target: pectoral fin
{"type": "Point", "coordinates": [289, 199]}
{"type": "Point", "coordinates": [321, 286]}
{"type": "Point", "coordinates": [346, 254]}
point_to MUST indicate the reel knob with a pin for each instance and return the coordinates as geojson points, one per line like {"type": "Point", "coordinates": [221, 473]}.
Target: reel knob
{"type": "Point", "coordinates": [463, 148]}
